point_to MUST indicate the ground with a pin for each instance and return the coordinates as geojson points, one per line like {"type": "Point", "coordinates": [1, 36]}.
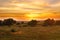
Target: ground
{"type": "Point", "coordinates": [30, 33]}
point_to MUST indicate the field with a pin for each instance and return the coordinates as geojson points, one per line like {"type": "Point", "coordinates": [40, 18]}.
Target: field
{"type": "Point", "coordinates": [30, 33]}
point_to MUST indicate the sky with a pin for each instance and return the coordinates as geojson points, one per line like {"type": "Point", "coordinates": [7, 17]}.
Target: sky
{"type": "Point", "coordinates": [30, 9]}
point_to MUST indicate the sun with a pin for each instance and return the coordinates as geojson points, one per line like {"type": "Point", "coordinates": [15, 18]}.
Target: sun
{"type": "Point", "coordinates": [32, 16]}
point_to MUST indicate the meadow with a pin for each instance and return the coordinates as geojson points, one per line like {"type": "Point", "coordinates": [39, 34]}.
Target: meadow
{"type": "Point", "coordinates": [30, 33]}
{"type": "Point", "coordinates": [11, 29]}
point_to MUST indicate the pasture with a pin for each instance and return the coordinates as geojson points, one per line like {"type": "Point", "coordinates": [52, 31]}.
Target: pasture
{"type": "Point", "coordinates": [30, 33]}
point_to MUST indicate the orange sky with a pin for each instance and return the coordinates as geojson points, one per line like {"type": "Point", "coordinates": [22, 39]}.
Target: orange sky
{"type": "Point", "coordinates": [29, 16]}
{"type": "Point", "coordinates": [29, 9]}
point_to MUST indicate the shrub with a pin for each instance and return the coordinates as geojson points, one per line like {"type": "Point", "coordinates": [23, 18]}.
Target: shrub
{"type": "Point", "coordinates": [49, 22]}
{"type": "Point", "coordinates": [32, 23]}
{"type": "Point", "coordinates": [12, 30]}
{"type": "Point", "coordinates": [57, 22]}
{"type": "Point", "coordinates": [9, 22]}
{"type": "Point", "coordinates": [1, 23]}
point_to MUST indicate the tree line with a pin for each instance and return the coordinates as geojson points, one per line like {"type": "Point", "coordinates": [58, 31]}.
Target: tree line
{"type": "Point", "coordinates": [7, 22]}
{"type": "Point", "coordinates": [47, 22]}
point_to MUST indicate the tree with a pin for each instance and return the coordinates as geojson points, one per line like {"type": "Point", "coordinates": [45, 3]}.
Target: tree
{"type": "Point", "coordinates": [32, 23]}
{"type": "Point", "coordinates": [22, 22]}
{"type": "Point", "coordinates": [49, 22]}
{"type": "Point", "coordinates": [57, 22]}
{"type": "Point", "coordinates": [1, 22]}
{"type": "Point", "coordinates": [9, 21]}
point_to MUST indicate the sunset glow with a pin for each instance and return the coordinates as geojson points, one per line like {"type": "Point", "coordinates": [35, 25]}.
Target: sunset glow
{"type": "Point", "coordinates": [32, 16]}
{"type": "Point", "coordinates": [29, 9]}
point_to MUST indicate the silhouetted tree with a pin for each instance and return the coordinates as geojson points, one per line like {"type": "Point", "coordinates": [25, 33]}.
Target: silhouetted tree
{"type": "Point", "coordinates": [57, 22]}
{"type": "Point", "coordinates": [22, 22]}
{"type": "Point", "coordinates": [32, 23]}
{"type": "Point", "coordinates": [1, 23]}
{"type": "Point", "coordinates": [9, 21]}
{"type": "Point", "coordinates": [49, 22]}
{"type": "Point", "coordinates": [18, 23]}
{"type": "Point", "coordinates": [52, 21]}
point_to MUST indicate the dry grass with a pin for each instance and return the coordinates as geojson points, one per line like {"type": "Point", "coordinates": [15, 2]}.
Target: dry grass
{"type": "Point", "coordinates": [31, 33]}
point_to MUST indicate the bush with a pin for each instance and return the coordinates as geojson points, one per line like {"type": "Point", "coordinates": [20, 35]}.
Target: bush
{"type": "Point", "coordinates": [49, 22]}
{"type": "Point", "coordinates": [57, 22]}
{"type": "Point", "coordinates": [1, 23]}
{"type": "Point", "coordinates": [9, 22]}
{"type": "Point", "coordinates": [13, 30]}
{"type": "Point", "coordinates": [32, 23]}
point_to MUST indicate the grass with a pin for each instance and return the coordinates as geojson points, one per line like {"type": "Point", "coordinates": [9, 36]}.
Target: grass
{"type": "Point", "coordinates": [30, 33]}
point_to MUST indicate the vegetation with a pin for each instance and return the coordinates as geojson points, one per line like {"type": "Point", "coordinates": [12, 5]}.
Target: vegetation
{"type": "Point", "coordinates": [30, 30]}
{"type": "Point", "coordinates": [32, 23]}
{"type": "Point", "coordinates": [31, 33]}
{"type": "Point", "coordinates": [7, 22]}
{"type": "Point", "coordinates": [1, 22]}
{"type": "Point", "coordinates": [49, 22]}
{"type": "Point", "coordinates": [12, 30]}
{"type": "Point", "coordinates": [57, 22]}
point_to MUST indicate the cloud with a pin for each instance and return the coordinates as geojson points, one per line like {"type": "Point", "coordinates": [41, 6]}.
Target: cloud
{"type": "Point", "coordinates": [44, 8]}
{"type": "Point", "coordinates": [52, 1]}
{"type": "Point", "coordinates": [30, 5]}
